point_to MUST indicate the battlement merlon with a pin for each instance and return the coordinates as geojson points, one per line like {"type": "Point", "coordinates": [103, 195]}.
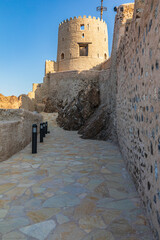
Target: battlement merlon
{"type": "Point", "coordinates": [125, 12]}
{"type": "Point", "coordinates": [82, 18]}
{"type": "Point", "coordinates": [50, 67]}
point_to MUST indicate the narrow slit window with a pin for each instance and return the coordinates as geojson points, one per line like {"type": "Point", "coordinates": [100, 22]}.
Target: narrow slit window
{"type": "Point", "coordinates": [83, 35]}
{"type": "Point", "coordinates": [105, 56]}
{"type": "Point", "coordinates": [62, 56]}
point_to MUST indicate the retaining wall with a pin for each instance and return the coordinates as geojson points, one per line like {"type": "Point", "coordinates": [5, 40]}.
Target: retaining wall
{"type": "Point", "coordinates": [16, 130]}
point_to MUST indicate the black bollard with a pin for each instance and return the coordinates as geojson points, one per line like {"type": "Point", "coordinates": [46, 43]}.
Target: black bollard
{"type": "Point", "coordinates": [34, 138]}
{"type": "Point", "coordinates": [41, 132]}
{"type": "Point", "coordinates": [44, 129]}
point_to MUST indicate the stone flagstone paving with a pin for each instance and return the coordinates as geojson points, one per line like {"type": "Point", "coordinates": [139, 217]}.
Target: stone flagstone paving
{"type": "Point", "coordinates": [73, 189]}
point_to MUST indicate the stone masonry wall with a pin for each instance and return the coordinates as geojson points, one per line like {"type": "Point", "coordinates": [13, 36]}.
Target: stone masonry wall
{"type": "Point", "coordinates": [76, 32]}
{"type": "Point", "coordinates": [138, 103]}
{"type": "Point", "coordinates": [15, 130]}
{"type": "Point", "coordinates": [64, 86]}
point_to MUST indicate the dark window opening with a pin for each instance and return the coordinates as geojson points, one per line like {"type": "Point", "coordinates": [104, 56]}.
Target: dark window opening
{"type": "Point", "coordinates": [82, 27]}
{"type": "Point", "coordinates": [83, 49]}
{"type": "Point", "coordinates": [62, 56]}
{"type": "Point", "coordinates": [83, 35]}
{"type": "Point", "coordinates": [105, 56]}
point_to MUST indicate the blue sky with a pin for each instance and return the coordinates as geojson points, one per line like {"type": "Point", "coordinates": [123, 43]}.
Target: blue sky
{"type": "Point", "coordinates": [29, 33]}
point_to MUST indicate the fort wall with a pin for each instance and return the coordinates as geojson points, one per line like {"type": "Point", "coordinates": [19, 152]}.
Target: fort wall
{"type": "Point", "coordinates": [82, 44]}
{"type": "Point", "coordinates": [63, 86]}
{"type": "Point", "coordinates": [15, 130]}
{"type": "Point", "coordinates": [138, 103]}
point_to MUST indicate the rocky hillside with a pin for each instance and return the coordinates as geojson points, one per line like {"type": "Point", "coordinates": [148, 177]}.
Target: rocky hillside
{"type": "Point", "coordinates": [10, 102]}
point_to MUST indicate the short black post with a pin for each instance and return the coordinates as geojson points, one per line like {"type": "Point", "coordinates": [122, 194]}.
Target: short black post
{"type": "Point", "coordinates": [34, 138]}
{"type": "Point", "coordinates": [41, 132]}
{"type": "Point", "coordinates": [44, 129]}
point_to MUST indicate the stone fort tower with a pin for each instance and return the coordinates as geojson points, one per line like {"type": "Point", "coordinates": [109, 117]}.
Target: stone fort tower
{"type": "Point", "coordinates": [82, 45]}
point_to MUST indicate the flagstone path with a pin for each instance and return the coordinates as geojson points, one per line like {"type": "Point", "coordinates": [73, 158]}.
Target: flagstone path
{"type": "Point", "coordinates": [73, 189]}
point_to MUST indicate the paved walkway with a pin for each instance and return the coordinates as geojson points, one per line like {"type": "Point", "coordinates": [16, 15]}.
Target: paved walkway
{"type": "Point", "coordinates": [73, 189]}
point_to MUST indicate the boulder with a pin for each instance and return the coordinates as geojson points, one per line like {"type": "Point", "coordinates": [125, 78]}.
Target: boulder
{"type": "Point", "coordinates": [98, 125]}
{"type": "Point", "coordinates": [73, 115]}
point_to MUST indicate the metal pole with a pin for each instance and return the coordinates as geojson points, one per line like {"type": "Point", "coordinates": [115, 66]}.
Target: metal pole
{"type": "Point", "coordinates": [44, 129]}
{"type": "Point", "coordinates": [34, 138]}
{"type": "Point", "coordinates": [41, 132]}
{"type": "Point", "coordinates": [101, 9]}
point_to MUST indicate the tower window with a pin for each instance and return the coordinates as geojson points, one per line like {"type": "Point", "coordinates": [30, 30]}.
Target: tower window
{"type": "Point", "coordinates": [83, 49]}
{"type": "Point", "coordinates": [62, 56]}
{"type": "Point", "coordinates": [83, 35]}
{"type": "Point", "coordinates": [82, 27]}
{"type": "Point", "coordinates": [105, 56]}
{"type": "Point", "coordinates": [88, 26]}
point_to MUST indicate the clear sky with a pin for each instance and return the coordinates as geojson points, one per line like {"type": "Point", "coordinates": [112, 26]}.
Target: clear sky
{"type": "Point", "coordinates": [29, 33]}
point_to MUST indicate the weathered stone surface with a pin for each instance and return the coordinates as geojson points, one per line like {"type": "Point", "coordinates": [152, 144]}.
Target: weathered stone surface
{"type": "Point", "coordinates": [73, 115]}
{"type": "Point", "coordinates": [91, 222]}
{"type": "Point", "coordinates": [98, 125]}
{"type": "Point", "coordinates": [39, 230]}
{"type": "Point", "coordinates": [13, 102]}
{"type": "Point", "coordinates": [62, 194]}
{"type": "Point", "coordinates": [50, 105]}
{"type": "Point", "coordinates": [9, 102]}
{"type": "Point", "coordinates": [67, 231]}
{"type": "Point", "coordinates": [17, 121]}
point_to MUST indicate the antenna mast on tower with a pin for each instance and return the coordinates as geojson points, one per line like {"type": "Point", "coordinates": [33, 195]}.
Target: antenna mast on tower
{"type": "Point", "coordinates": [101, 9]}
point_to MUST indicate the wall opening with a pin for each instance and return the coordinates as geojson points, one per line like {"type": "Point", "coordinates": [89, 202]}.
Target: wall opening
{"type": "Point", "coordinates": [83, 49]}
{"type": "Point", "coordinates": [105, 56]}
{"type": "Point", "coordinates": [62, 56]}
{"type": "Point", "coordinates": [88, 26]}
{"type": "Point", "coordinates": [82, 27]}
{"type": "Point", "coordinates": [83, 35]}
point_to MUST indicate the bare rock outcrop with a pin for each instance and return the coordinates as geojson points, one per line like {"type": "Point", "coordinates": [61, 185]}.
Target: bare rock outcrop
{"type": "Point", "coordinates": [50, 105]}
{"type": "Point", "coordinates": [98, 125]}
{"type": "Point", "coordinates": [13, 102]}
{"type": "Point", "coordinates": [10, 102]}
{"type": "Point", "coordinates": [73, 115]}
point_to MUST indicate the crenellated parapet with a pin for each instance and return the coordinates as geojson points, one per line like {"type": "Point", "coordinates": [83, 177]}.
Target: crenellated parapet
{"type": "Point", "coordinates": [81, 18]}
{"type": "Point", "coordinates": [82, 43]}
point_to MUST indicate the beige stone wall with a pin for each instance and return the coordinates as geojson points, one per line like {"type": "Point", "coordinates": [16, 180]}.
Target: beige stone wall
{"type": "Point", "coordinates": [50, 67]}
{"type": "Point", "coordinates": [64, 86]}
{"type": "Point", "coordinates": [16, 130]}
{"type": "Point", "coordinates": [108, 75]}
{"type": "Point", "coordinates": [70, 35]}
{"type": "Point", "coordinates": [138, 103]}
